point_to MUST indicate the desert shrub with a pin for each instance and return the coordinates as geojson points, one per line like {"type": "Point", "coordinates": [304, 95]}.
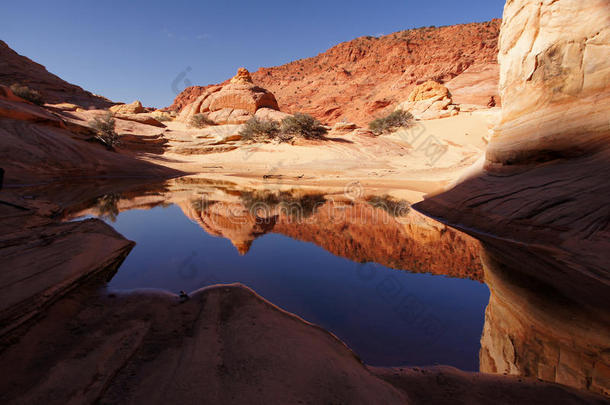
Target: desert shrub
{"type": "Point", "coordinates": [396, 208]}
{"type": "Point", "coordinates": [200, 121]}
{"type": "Point", "coordinates": [27, 94]}
{"type": "Point", "coordinates": [260, 130]}
{"type": "Point", "coordinates": [303, 125]}
{"type": "Point", "coordinates": [397, 119]}
{"type": "Point", "coordinates": [104, 130]}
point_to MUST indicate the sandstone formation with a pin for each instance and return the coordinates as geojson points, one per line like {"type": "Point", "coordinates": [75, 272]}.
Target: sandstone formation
{"type": "Point", "coordinates": [43, 260]}
{"type": "Point", "coordinates": [269, 114]}
{"type": "Point", "coordinates": [429, 100]}
{"type": "Point", "coordinates": [428, 90]}
{"type": "Point", "coordinates": [146, 119]}
{"type": "Point", "coordinates": [149, 347]}
{"type": "Point", "coordinates": [365, 78]}
{"type": "Point", "coordinates": [37, 146]}
{"type": "Point", "coordinates": [546, 179]}
{"type": "Point", "coordinates": [133, 108]}
{"type": "Point", "coordinates": [17, 69]}
{"type": "Point", "coordinates": [233, 103]}
{"type": "Point", "coordinates": [242, 77]}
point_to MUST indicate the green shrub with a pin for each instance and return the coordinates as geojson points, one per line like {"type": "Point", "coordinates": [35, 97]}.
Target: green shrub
{"type": "Point", "coordinates": [260, 130]}
{"type": "Point", "coordinates": [397, 119]}
{"type": "Point", "coordinates": [104, 130]}
{"type": "Point", "coordinates": [200, 121]}
{"type": "Point", "coordinates": [303, 125]}
{"type": "Point", "coordinates": [27, 94]}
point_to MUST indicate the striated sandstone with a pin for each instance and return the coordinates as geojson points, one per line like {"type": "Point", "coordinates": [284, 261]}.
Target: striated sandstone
{"type": "Point", "coordinates": [554, 80]}
{"type": "Point", "coordinates": [133, 108]}
{"type": "Point", "coordinates": [233, 103]}
{"type": "Point", "coordinates": [146, 119]}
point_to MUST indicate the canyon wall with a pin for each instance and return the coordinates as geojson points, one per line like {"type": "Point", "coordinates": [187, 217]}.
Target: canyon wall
{"type": "Point", "coordinates": [545, 185]}
{"type": "Point", "coordinates": [554, 80]}
{"type": "Point", "coordinates": [546, 178]}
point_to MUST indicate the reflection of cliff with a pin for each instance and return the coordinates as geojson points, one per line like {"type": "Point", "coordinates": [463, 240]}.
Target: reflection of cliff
{"type": "Point", "coordinates": [531, 330]}
{"type": "Point", "coordinates": [357, 231]}
{"type": "Point", "coordinates": [363, 233]}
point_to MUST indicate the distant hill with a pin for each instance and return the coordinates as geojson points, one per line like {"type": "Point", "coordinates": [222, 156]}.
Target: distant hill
{"type": "Point", "coordinates": [363, 78]}
{"type": "Point", "coordinates": [15, 68]}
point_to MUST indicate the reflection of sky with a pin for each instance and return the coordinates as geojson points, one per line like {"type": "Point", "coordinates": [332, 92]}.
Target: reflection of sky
{"type": "Point", "coordinates": [387, 317]}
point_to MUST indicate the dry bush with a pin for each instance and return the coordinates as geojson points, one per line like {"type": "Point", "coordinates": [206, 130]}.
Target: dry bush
{"type": "Point", "coordinates": [395, 120]}
{"type": "Point", "coordinates": [27, 94]}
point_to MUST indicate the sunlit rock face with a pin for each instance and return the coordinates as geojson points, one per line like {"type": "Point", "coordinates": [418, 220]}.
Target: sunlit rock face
{"type": "Point", "coordinates": [554, 80]}
{"type": "Point", "coordinates": [530, 330]}
{"type": "Point", "coordinates": [232, 103]}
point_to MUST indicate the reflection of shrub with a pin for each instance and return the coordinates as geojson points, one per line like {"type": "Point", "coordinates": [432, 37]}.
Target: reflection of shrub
{"type": "Point", "coordinates": [394, 120]}
{"type": "Point", "coordinates": [259, 130]}
{"type": "Point", "coordinates": [200, 121]}
{"type": "Point", "coordinates": [104, 130]}
{"type": "Point", "coordinates": [396, 208]}
{"type": "Point", "coordinates": [27, 94]}
{"type": "Point", "coordinates": [303, 125]}
{"type": "Point", "coordinates": [107, 206]}
{"type": "Point", "coordinates": [270, 203]}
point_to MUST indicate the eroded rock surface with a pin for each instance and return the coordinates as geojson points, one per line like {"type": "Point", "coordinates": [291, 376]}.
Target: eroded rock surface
{"type": "Point", "coordinates": [233, 103]}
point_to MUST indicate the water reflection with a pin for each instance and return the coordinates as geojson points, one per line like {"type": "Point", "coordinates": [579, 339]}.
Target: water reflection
{"type": "Point", "coordinates": [535, 323]}
{"type": "Point", "coordinates": [533, 328]}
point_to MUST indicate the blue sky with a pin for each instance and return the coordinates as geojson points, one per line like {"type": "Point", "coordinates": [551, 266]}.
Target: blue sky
{"type": "Point", "coordinates": [128, 50]}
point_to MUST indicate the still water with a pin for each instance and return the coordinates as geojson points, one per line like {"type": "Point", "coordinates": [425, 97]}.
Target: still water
{"type": "Point", "coordinates": [389, 313]}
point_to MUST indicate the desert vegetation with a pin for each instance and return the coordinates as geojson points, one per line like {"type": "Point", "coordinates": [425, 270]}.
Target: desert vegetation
{"type": "Point", "coordinates": [104, 130]}
{"type": "Point", "coordinates": [391, 122]}
{"type": "Point", "coordinates": [260, 130]}
{"type": "Point", "coordinates": [298, 125]}
{"type": "Point", "coordinates": [27, 93]}
{"type": "Point", "coordinates": [200, 121]}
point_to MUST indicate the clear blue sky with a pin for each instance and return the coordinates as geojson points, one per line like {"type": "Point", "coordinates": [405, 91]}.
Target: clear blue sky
{"type": "Point", "coordinates": [136, 49]}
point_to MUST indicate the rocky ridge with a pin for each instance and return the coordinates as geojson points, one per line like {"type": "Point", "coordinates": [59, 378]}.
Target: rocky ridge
{"type": "Point", "coordinates": [363, 78]}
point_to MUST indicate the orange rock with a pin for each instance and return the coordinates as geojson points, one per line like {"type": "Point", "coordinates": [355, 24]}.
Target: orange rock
{"type": "Point", "coordinates": [242, 76]}
{"type": "Point", "coordinates": [428, 90]}
{"type": "Point", "coordinates": [231, 103]}
{"type": "Point", "coordinates": [133, 108]}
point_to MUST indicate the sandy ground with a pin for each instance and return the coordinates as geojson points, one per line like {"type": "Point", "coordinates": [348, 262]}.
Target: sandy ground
{"type": "Point", "coordinates": [423, 158]}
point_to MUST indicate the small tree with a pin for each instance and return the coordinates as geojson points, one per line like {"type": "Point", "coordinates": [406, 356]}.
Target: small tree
{"type": "Point", "coordinates": [27, 94]}
{"type": "Point", "coordinates": [395, 120]}
{"type": "Point", "coordinates": [303, 125]}
{"type": "Point", "coordinates": [259, 130]}
{"type": "Point", "coordinates": [104, 130]}
{"type": "Point", "coordinates": [200, 121]}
